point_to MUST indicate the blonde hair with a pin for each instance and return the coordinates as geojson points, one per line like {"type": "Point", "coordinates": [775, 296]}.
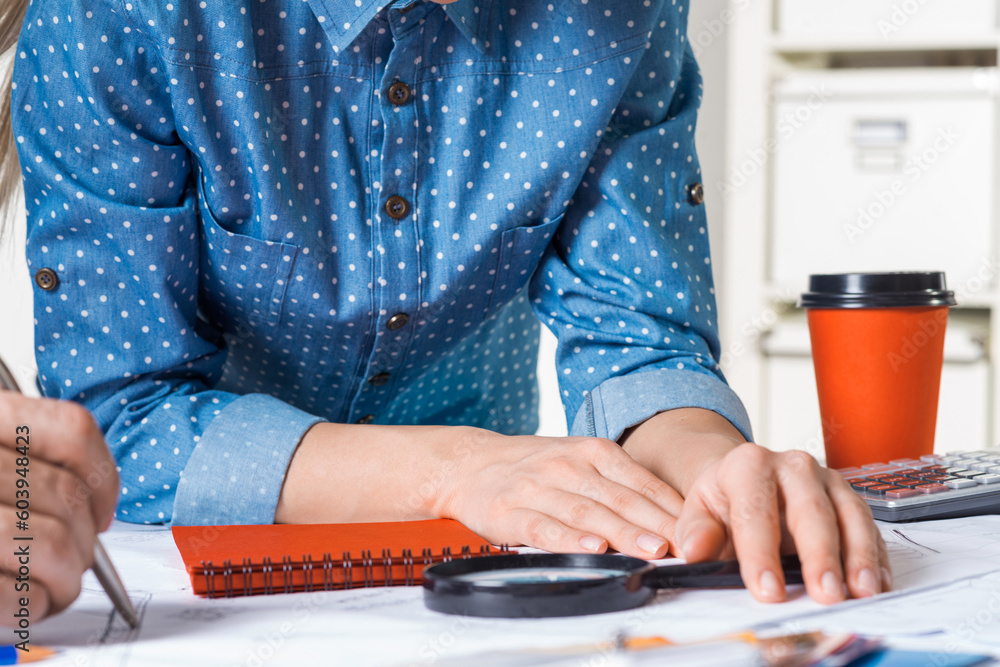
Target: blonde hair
{"type": "Point", "coordinates": [11, 17]}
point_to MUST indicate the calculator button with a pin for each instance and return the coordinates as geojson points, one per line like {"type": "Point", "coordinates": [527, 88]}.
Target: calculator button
{"type": "Point", "coordinates": [877, 476]}
{"type": "Point", "coordinates": [880, 489]}
{"type": "Point", "coordinates": [969, 473]}
{"type": "Point", "coordinates": [959, 483]}
{"type": "Point", "coordinates": [896, 494]}
{"type": "Point", "coordinates": [995, 469]}
{"type": "Point", "coordinates": [955, 470]}
{"type": "Point", "coordinates": [931, 488]}
{"type": "Point", "coordinates": [967, 463]}
{"type": "Point", "coordinates": [894, 480]}
{"type": "Point", "coordinates": [987, 479]}
{"type": "Point", "coordinates": [937, 478]}
{"type": "Point", "coordinates": [863, 486]}
{"type": "Point", "coordinates": [930, 458]}
{"type": "Point", "coordinates": [948, 460]}
{"type": "Point", "coordinates": [983, 466]}
{"type": "Point", "coordinates": [906, 472]}
{"type": "Point", "coordinates": [848, 471]}
{"type": "Point", "coordinates": [875, 466]}
{"type": "Point", "coordinates": [910, 483]}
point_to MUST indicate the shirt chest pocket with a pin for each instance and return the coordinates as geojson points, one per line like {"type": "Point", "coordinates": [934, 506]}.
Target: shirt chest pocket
{"type": "Point", "coordinates": [520, 250]}
{"type": "Point", "coordinates": [243, 279]}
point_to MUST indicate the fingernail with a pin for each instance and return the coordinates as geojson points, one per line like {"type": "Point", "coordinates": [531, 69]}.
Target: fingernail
{"type": "Point", "coordinates": [867, 581]}
{"type": "Point", "coordinates": [650, 543]}
{"type": "Point", "coordinates": [591, 543]}
{"type": "Point", "coordinates": [886, 579]}
{"type": "Point", "coordinates": [832, 585]}
{"type": "Point", "coordinates": [769, 585]}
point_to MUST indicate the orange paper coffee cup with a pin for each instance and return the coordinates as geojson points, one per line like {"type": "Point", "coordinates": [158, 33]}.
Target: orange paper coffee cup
{"type": "Point", "coordinates": [877, 347]}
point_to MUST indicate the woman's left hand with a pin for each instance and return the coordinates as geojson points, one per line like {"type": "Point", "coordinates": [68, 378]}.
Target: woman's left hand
{"type": "Point", "coordinates": [752, 502]}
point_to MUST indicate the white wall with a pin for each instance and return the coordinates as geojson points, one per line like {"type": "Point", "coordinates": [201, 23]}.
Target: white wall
{"type": "Point", "coordinates": [16, 326]}
{"type": "Point", "coordinates": [708, 32]}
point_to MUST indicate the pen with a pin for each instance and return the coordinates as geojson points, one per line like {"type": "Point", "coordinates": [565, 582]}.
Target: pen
{"type": "Point", "coordinates": [105, 571]}
{"type": "Point", "coordinates": [11, 655]}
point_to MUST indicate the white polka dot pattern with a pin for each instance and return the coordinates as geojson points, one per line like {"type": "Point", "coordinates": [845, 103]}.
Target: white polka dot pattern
{"type": "Point", "coordinates": [241, 198]}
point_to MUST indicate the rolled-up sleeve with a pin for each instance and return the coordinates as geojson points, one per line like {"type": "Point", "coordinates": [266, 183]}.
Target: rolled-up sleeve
{"type": "Point", "coordinates": [626, 285]}
{"type": "Point", "coordinates": [112, 216]}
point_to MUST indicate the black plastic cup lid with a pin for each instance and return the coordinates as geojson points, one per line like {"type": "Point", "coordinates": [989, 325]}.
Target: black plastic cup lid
{"type": "Point", "coordinates": [877, 290]}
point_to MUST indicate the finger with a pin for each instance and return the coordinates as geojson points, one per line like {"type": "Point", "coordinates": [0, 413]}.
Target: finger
{"type": "Point", "coordinates": [594, 518]}
{"type": "Point", "coordinates": [813, 524]}
{"type": "Point", "coordinates": [631, 506]}
{"type": "Point", "coordinates": [63, 433]}
{"type": "Point", "coordinates": [13, 593]}
{"type": "Point", "coordinates": [866, 559]}
{"type": "Point", "coordinates": [51, 491]}
{"type": "Point", "coordinates": [616, 465]}
{"type": "Point", "coordinates": [754, 519]}
{"type": "Point", "coordinates": [53, 557]}
{"type": "Point", "coordinates": [700, 533]}
{"type": "Point", "coordinates": [537, 529]}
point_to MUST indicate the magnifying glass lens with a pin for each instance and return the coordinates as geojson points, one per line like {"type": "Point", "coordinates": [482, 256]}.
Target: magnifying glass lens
{"type": "Point", "coordinates": [535, 575]}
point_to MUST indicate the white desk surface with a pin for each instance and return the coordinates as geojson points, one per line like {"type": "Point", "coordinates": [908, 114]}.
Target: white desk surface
{"type": "Point", "coordinates": [948, 598]}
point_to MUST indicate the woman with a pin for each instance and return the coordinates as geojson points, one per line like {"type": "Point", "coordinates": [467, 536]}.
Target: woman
{"type": "Point", "coordinates": [280, 252]}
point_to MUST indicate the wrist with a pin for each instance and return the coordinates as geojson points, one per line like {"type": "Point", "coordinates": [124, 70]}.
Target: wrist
{"type": "Point", "coordinates": [454, 461]}
{"type": "Point", "coordinates": [678, 445]}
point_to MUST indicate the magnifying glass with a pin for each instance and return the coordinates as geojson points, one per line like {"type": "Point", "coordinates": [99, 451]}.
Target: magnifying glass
{"type": "Point", "coordinates": [544, 585]}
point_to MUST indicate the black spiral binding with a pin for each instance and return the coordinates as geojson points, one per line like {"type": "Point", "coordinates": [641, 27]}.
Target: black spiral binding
{"type": "Point", "coordinates": [307, 569]}
{"type": "Point", "coordinates": [265, 571]}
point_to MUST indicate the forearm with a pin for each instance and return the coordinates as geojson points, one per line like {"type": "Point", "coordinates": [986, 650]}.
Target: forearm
{"type": "Point", "coordinates": [676, 445]}
{"type": "Point", "coordinates": [351, 473]}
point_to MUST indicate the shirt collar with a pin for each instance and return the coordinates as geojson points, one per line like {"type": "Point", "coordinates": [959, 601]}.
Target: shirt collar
{"type": "Point", "coordinates": [343, 20]}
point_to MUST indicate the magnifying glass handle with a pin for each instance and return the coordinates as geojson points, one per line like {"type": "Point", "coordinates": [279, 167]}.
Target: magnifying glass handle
{"type": "Point", "coordinates": [717, 574]}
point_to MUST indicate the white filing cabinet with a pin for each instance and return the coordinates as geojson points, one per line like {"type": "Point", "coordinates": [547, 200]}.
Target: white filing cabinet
{"type": "Point", "coordinates": [879, 170]}
{"type": "Point", "coordinates": [792, 418]}
{"type": "Point", "coordinates": [886, 19]}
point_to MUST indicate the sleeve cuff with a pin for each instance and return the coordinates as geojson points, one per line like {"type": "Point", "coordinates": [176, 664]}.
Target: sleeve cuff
{"type": "Point", "coordinates": [235, 474]}
{"type": "Point", "coordinates": [620, 403]}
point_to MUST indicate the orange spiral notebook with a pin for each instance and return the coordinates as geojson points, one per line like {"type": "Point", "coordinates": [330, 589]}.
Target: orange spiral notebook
{"type": "Point", "coordinates": [232, 561]}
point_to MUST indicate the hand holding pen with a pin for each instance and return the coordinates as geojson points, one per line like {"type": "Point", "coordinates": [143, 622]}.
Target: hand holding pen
{"type": "Point", "coordinates": [58, 489]}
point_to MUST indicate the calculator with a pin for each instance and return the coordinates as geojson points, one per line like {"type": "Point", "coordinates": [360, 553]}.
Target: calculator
{"type": "Point", "coordinates": [931, 487]}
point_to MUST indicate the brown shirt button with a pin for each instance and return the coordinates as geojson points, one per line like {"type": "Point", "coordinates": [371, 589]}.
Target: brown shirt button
{"type": "Point", "coordinates": [397, 207]}
{"type": "Point", "coordinates": [399, 93]}
{"type": "Point", "coordinates": [397, 321]}
{"type": "Point", "coordinates": [367, 419]}
{"type": "Point", "coordinates": [696, 194]}
{"type": "Point", "coordinates": [408, 7]}
{"type": "Point", "coordinates": [47, 279]}
{"type": "Point", "coordinates": [379, 379]}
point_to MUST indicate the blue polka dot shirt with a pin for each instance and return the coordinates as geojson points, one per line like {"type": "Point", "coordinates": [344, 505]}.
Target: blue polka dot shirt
{"type": "Point", "coordinates": [248, 216]}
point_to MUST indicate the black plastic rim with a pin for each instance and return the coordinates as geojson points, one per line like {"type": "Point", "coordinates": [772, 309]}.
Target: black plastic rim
{"type": "Point", "coordinates": [444, 593]}
{"type": "Point", "coordinates": [878, 290]}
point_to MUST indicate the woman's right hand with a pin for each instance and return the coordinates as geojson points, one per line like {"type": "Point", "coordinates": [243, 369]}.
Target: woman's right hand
{"type": "Point", "coordinates": [58, 478]}
{"type": "Point", "coordinates": [568, 494]}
